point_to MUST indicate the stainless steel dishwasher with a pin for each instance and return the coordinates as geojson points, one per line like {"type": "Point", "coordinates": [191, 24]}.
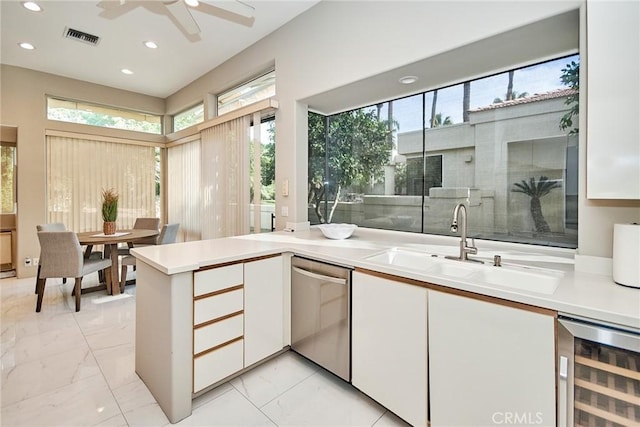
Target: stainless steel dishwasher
{"type": "Point", "coordinates": [321, 314]}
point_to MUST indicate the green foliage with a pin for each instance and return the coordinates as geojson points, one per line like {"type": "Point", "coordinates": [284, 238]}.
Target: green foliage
{"type": "Point", "coordinates": [510, 97]}
{"type": "Point", "coordinates": [571, 77]}
{"type": "Point", "coordinates": [267, 165]}
{"type": "Point", "coordinates": [188, 118]}
{"type": "Point", "coordinates": [6, 182]}
{"type": "Point", "coordinates": [346, 149]}
{"type": "Point", "coordinates": [109, 205]}
{"type": "Point", "coordinates": [439, 121]}
{"type": "Point", "coordinates": [268, 157]}
{"type": "Point", "coordinates": [102, 120]}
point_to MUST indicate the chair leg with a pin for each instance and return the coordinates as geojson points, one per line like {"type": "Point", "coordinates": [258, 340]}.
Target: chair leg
{"type": "Point", "coordinates": [78, 290]}
{"type": "Point", "coordinates": [40, 291]}
{"type": "Point", "coordinates": [123, 277]}
{"type": "Point", "coordinates": [37, 278]}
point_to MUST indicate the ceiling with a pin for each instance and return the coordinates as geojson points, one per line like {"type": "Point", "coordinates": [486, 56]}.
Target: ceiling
{"type": "Point", "coordinates": [160, 72]}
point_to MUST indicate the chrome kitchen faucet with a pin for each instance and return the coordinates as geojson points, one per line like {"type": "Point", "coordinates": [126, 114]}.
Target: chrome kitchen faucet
{"type": "Point", "coordinates": [460, 212]}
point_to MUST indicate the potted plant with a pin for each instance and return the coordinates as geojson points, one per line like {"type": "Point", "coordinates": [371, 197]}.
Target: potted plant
{"type": "Point", "coordinates": [109, 210]}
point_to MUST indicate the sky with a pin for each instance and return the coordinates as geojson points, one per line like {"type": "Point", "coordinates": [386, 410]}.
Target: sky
{"type": "Point", "coordinates": [534, 79]}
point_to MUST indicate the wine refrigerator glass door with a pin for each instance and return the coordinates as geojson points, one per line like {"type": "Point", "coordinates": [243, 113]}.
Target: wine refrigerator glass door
{"type": "Point", "coordinates": [599, 376]}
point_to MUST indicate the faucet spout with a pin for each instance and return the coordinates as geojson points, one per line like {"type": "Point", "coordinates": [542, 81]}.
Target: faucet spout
{"type": "Point", "coordinates": [460, 217]}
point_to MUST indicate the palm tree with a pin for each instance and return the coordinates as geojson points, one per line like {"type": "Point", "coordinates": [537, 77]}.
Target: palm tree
{"type": "Point", "coordinates": [433, 108]}
{"type": "Point", "coordinates": [511, 96]}
{"type": "Point", "coordinates": [438, 121]}
{"type": "Point", "coordinates": [466, 101]}
{"type": "Point", "coordinates": [536, 190]}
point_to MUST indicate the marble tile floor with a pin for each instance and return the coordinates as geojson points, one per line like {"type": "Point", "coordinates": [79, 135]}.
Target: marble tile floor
{"type": "Point", "coordinates": [62, 368]}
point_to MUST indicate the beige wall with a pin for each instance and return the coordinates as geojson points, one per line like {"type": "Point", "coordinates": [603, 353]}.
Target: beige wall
{"type": "Point", "coordinates": [23, 104]}
{"type": "Point", "coordinates": [336, 44]}
{"type": "Point", "coordinates": [331, 45]}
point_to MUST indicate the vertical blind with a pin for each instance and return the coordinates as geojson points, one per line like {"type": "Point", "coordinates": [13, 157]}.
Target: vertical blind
{"type": "Point", "coordinates": [184, 189]}
{"type": "Point", "coordinates": [225, 179]}
{"type": "Point", "coordinates": [209, 182]}
{"type": "Point", "coordinates": [79, 169]}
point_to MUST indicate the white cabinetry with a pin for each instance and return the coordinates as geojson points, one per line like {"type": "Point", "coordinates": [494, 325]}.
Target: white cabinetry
{"type": "Point", "coordinates": [263, 309]}
{"type": "Point", "coordinates": [489, 363]}
{"type": "Point", "coordinates": [217, 324]}
{"type": "Point", "coordinates": [237, 318]}
{"type": "Point", "coordinates": [613, 84]}
{"type": "Point", "coordinates": [389, 344]}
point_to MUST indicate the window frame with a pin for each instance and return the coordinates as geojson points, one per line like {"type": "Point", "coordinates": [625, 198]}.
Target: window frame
{"type": "Point", "coordinates": [184, 112]}
{"type": "Point", "coordinates": [242, 101]}
{"type": "Point", "coordinates": [88, 106]}
{"type": "Point", "coordinates": [497, 230]}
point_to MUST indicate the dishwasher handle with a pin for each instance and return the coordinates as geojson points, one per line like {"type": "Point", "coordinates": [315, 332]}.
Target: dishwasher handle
{"type": "Point", "coordinates": [322, 277]}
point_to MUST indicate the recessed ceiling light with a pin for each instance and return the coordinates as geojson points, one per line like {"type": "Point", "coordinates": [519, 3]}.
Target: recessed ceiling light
{"type": "Point", "coordinates": [127, 71]}
{"type": "Point", "coordinates": [151, 45]}
{"type": "Point", "coordinates": [32, 6]}
{"type": "Point", "coordinates": [407, 80]}
{"type": "Point", "coordinates": [27, 46]}
{"type": "Point", "coordinates": [192, 3]}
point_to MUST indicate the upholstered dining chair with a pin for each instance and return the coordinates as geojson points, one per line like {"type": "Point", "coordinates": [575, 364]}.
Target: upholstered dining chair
{"type": "Point", "coordinates": [53, 226]}
{"type": "Point", "coordinates": [142, 224]}
{"type": "Point", "coordinates": [167, 235]}
{"type": "Point", "coordinates": [58, 226]}
{"type": "Point", "coordinates": [62, 256]}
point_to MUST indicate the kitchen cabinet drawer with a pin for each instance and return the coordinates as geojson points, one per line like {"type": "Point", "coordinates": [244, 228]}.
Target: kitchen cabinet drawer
{"type": "Point", "coordinates": [217, 365]}
{"type": "Point", "coordinates": [217, 333]}
{"type": "Point", "coordinates": [216, 306]}
{"type": "Point", "coordinates": [216, 279]}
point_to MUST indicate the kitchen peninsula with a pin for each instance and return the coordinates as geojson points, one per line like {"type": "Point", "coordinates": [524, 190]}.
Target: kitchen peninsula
{"type": "Point", "coordinates": [193, 297]}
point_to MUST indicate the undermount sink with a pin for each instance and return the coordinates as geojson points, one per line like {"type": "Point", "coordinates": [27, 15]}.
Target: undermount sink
{"type": "Point", "coordinates": [399, 257]}
{"type": "Point", "coordinates": [453, 268]}
{"type": "Point", "coordinates": [515, 277]}
{"type": "Point", "coordinates": [520, 278]}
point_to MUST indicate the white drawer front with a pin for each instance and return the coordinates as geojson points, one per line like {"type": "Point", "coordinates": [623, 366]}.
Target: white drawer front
{"type": "Point", "coordinates": [213, 280]}
{"type": "Point", "coordinates": [217, 306]}
{"type": "Point", "coordinates": [219, 364]}
{"type": "Point", "coordinates": [217, 333]}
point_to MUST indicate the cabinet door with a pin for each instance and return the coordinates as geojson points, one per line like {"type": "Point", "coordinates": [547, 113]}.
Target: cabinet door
{"type": "Point", "coordinates": [389, 344]}
{"type": "Point", "coordinates": [613, 147]}
{"type": "Point", "coordinates": [263, 309]}
{"type": "Point", "coordinates": [489, 364]}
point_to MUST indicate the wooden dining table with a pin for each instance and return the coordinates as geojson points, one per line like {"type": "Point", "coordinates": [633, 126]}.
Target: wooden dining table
{"type": "Point", "coordinates": [110, 242]}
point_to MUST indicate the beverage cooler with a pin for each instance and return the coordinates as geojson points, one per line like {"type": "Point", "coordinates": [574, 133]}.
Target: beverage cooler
{"type": "Point", "coordinates": [598, 374]}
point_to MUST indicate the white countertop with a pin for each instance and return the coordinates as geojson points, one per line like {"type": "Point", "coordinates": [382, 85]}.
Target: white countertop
{"type": "Point", "coordinates": [580, 294]}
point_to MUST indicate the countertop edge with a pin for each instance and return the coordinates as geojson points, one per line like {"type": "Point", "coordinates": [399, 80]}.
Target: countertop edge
{"type": "Point", "coordinates": [243, 247]}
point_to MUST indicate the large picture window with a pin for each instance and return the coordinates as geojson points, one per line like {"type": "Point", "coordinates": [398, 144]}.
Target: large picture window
{"type": "Point", "coordinates": [504, 145]}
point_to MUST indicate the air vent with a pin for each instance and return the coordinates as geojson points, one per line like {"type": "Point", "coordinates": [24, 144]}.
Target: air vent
{"type": "Point", "coordinates": [70, 33]}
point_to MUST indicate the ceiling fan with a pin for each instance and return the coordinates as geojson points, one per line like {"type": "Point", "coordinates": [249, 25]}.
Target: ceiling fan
{"type": "Point", "coordinates": [179, 11]}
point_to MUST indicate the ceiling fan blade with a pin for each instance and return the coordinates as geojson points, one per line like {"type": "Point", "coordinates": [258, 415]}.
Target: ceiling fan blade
{"type": "Point", "coordinates": [182, 16]}
{"type": "Point", "coordinates": [233, 11]}
{"type": "Point", "coordinates": [112, 9]}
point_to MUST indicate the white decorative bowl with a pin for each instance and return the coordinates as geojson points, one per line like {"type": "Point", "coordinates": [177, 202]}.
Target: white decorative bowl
{"type": "Point", "coordinates": [337, 231]}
